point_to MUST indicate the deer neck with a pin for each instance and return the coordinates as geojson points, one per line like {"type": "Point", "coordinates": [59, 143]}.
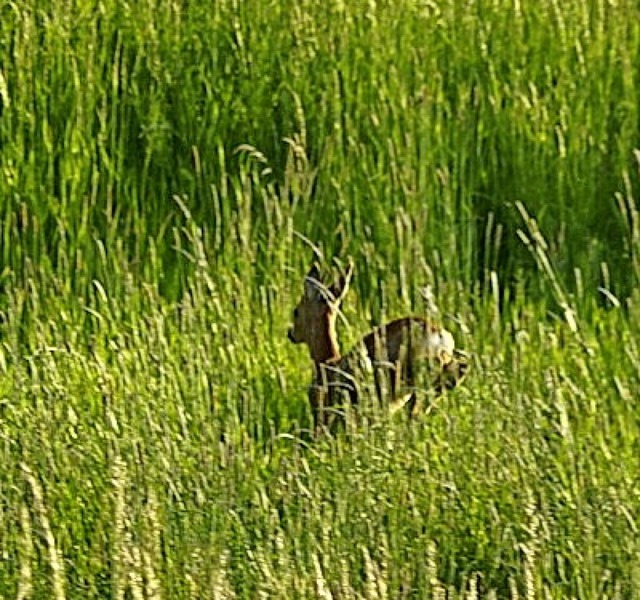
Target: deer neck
{"type": "Point", "coordinates": [324, 347]}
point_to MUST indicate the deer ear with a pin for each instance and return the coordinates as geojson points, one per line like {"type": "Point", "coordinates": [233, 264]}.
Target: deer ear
{"type": "Point", "coordinates": [341, 287]}
{"type": "Point", "coordinates": [314, 272]}
{"type": "Point", "coordinates": [312, 282]}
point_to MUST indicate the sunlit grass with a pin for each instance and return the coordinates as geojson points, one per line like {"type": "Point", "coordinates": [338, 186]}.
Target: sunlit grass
{"type": "Point", "coordinates": [167, 172]}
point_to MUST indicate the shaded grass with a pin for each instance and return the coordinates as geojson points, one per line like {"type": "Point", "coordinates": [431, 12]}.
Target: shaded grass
{"type": "Point", "coordinates": [444, 113]}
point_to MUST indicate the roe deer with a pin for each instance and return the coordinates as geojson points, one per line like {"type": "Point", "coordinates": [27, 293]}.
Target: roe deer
{"type": "Point", "coordinates": [388, 356]}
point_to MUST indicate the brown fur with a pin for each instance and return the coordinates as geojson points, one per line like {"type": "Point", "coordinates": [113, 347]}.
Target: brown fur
{"type": "Point", "coordinates": [387, 357]}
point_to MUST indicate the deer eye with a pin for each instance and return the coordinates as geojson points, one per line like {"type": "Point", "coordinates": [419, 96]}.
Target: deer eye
{"type": "Point", "coordinates": [296, 312]}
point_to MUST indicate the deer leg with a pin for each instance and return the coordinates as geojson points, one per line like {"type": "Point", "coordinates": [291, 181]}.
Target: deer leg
{"type": "Point", "coordinates": [317, 398]}
{"type": "Point", "coordinates": [413, 405]}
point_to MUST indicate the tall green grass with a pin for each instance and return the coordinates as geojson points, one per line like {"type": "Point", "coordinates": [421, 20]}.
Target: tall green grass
{"type": "Point", "coordinates": [167, 172]}
{"type": "Point", "coordinates": [443, 112]}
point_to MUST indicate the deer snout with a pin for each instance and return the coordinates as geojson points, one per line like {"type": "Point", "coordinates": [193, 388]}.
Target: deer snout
{"type": "Point", "coordinates": [292, 338]}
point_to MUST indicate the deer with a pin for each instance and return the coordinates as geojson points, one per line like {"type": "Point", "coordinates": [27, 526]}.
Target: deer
{"type": "Point", "coordinates": [388, 357]}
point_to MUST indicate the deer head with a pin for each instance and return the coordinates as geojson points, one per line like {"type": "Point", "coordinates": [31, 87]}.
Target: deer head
{"type": "Point", "coordinates": [314, 318]}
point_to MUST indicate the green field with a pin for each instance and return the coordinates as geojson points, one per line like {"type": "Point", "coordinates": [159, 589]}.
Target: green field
{"type": "Point", "coordinates": [169, 170]}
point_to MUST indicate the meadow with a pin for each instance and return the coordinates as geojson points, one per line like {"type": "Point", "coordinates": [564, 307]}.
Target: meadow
{"type": "Point", "coordinates": [168, 171]}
